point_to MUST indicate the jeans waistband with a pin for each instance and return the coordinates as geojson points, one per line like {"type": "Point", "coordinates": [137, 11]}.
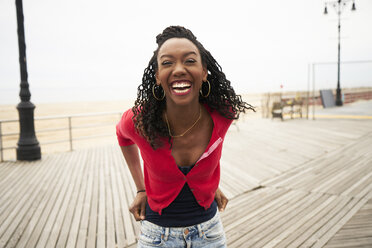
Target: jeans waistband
{"type": "Point", "coordinates": [180, 231]}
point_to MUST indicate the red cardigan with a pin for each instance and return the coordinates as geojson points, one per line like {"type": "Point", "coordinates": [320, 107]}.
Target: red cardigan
{"type": "Point", "coordinates": [163, 179]}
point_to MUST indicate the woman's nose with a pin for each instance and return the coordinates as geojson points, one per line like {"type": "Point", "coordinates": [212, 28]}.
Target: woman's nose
{"type": "Point", "coordinates": [179, 69]}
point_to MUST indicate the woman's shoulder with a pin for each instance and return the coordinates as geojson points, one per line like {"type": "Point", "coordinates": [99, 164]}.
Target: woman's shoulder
{"type": "Point", "coordinates": [127, 114]}
{"type": "Point", "coordinates": [126, 121]}
{"type": "Point", "coordinates": [220, 121]}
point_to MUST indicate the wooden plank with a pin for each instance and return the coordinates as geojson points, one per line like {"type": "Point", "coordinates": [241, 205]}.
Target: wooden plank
{"type": "Point", "coordinates": [356, 232]}
{"type": "Point", "coordinates": [5, 168]}
{"type": "Point", "coordinates": [233, 210]}
{"type": "Point", "coordinates": [235, 217]}
{"type": "Point", "coordinates": [71, 208]}
{"type": "Point", "coordinates": [325, 238]}
{"type": "Point", "coordinates": [273, 233]}
{"type": "Point", "coordinates": [306, 181]}
{"type": "Point", "coordinates": [337, 215]}
{"type": "Point", "coordinates": [235, 149]}
{"type": "Point", "coordinates": [124, 199]}
{"type": "Point", "coordinates": [351, 177]}
{"type": "Point", "coordinates": [117, 199]}
{"type": "Point", "coordinates": [326, 215]}
{"type": "Point", "coordinates": [14, 191]}
{"type": "Point", "coordinates": [295, 225]}
{"type": "Point", "coordinates": [63, 202]}
{"type": "Point", "coordinates": [358, 186]}
{"type": "Point", "coordinates": [17, 209]}
{"type": "Point", "coordinates": [55, 205]}
{"type": "Point", "coordinates": [84, 221]}
{"type": "Point", "coordinates": [35, 226]}
{"type": "Point", "coordinates": [11, 171]}
{"type": "Point", "coordinates": [261, 234]}
{"type": "Point", "coordinates": [93, 215]}
{"type": "Point", "coordinates": [74, 214]}
{"type": "Point", "coordinates": [341, 173]}
{"type": "Point", "coordinates": [77, 206]}
{"type": "Point", "coordinates": [129, 191]}
{"type": "Point", "coordinates": [101, 221]}
{"type": "Point", "coordinates": [291, 177]}
{"type": "Point", "coordinates": [110, 222]}
{"type": "Point", "coordinates": [305, 231]}
{"type": "Point", "coordinates": [250, 173]}
{"type": "Point", "coordinates": [24, 216]}
{"type": "Point", "coordinates": [322, 173]}
{"type": "Point", "coordinates": [252, 231]}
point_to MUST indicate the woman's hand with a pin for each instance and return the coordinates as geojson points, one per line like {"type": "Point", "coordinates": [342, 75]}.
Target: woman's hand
{"type": "Point", "coordinates": [221, 200]}
{"type": "Point", "coordinates": [138, 207]}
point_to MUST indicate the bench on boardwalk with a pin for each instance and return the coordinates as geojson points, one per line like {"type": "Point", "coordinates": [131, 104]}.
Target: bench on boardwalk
{"type": "Point", "coordinates": [284, 107]}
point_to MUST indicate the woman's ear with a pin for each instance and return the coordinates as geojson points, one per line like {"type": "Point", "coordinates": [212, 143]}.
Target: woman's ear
{"type": "Point", "coordinates": [157, 78]}
{"type": "Point", "coordinates": [205, 73]}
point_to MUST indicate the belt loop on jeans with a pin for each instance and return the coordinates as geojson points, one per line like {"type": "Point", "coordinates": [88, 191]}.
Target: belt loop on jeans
{"type": "Point", "coordinates": [200, 230]}
{"type": "Point", "coordinates": [166, 235]}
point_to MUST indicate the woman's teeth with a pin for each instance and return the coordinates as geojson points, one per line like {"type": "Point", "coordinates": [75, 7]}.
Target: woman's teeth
{"type": "Point", "coordinates": [181, 87]}
{"type": "Point", "coordinates": [181, 90]}
{"type": "Point", "coordinates": [181, 84]}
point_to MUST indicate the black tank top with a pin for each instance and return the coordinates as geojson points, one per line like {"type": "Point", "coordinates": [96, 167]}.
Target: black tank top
{"type": "Point", "coordinates": [183, 211]}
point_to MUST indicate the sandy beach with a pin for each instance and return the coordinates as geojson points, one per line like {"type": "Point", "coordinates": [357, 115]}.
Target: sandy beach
{"type": "Point", "coordinates": [69, 108]}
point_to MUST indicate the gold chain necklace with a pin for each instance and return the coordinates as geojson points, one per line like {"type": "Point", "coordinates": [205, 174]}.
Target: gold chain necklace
{"type": "Point", "coordinates": [182, 134]}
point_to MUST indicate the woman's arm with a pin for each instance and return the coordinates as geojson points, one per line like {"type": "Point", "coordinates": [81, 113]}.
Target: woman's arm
{"type": "Point", "coordinates": [221, 200]}
{"type": "Point", "coordinates": [133, 161]}
{"type": "Point", "coordinates": [132, 158]}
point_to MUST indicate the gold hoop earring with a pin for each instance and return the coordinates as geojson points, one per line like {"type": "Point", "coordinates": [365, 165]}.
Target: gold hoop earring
{"type": "Point", "coordinates": [153, 92]}
{"type": "Point", "coordinates": [209, 90]}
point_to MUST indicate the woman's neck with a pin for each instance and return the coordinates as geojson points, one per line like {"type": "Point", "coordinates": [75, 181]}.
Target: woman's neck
{"type": "Point", "coordinates": [182, 117]}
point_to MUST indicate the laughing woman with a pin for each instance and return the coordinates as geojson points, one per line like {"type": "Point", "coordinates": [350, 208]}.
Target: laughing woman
{"type": "Point", "coordinates": [183, 110]}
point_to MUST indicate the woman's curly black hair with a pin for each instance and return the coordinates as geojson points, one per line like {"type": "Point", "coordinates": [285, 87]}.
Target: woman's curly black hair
{"type": "Point", "coordinates": [148, 111]}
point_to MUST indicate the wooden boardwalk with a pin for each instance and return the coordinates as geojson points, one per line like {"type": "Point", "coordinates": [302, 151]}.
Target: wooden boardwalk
{"type": "Point", "coordinates": [296, 183]}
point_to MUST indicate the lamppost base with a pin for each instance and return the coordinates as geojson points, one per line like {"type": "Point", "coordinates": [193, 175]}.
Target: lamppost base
{"type": "Point", "coordinates": [339, 103]}
{"type": "Point", "coordinates": [29, 152]}
{"type": "Point", "coordinates": [28, 147]}
{"type": "Point", "coordinates": [338, 95]}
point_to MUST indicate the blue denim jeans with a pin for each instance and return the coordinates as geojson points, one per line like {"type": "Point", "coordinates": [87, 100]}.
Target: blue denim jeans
{"type": "Point", "coordinates": [207, 234]}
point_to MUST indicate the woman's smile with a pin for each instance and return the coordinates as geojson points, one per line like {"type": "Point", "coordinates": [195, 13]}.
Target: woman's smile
{"type": "Point", "coordinates": [181, 87]}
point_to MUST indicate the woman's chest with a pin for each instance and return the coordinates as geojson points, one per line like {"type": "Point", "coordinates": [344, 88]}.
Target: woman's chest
{"type": "Point", "coordinates": [187, 150]}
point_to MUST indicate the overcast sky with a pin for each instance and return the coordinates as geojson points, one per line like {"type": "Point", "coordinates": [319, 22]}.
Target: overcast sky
{"type": "Point", "coordinates": [97, 50]}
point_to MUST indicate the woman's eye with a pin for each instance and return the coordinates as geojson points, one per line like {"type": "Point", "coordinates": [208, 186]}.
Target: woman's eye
{"type": "Point", "coordinates": [190, 61]}
{"type": "Point", "coordinates": [166, 62]}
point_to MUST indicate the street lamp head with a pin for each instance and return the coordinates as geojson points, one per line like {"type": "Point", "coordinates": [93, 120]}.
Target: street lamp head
{"type": "Point", "coordinates": [353, 6]}
{"type": "Point", "coordinates": [325, 10]}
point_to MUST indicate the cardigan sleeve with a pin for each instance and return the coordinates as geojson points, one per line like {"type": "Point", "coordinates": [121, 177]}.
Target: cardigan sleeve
{"type": "Point", "coordinates": [125, 129]}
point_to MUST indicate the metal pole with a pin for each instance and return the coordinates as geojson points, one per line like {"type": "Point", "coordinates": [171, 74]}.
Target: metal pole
{"type": "Point", "coordinates": [338, 90]}
{"type": "Point", "coordinates": [27, 147]}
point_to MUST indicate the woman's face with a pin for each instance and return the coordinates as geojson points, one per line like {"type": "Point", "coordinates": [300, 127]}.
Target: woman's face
{"type": "Point", "coordinates": [180, 71]}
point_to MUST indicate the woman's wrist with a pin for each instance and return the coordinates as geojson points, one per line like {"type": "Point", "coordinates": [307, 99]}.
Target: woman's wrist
{"type": "Point", "coordinates": [141, 190]}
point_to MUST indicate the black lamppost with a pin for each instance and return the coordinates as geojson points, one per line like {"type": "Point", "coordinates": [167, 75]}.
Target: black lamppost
{"type": "Point", "coordinates": [27, 147]}
{"type": "Point", "coordinates": [339, 7]}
